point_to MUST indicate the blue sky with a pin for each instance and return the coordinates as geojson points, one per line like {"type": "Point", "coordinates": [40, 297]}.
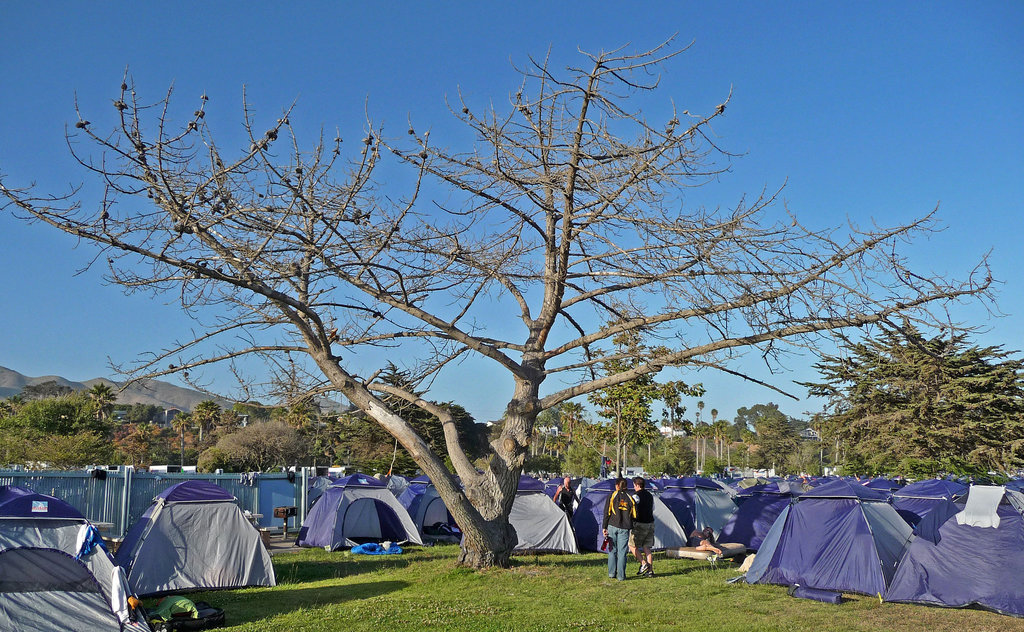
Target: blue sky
{"type": "Point", "coordinates": [866, 111]}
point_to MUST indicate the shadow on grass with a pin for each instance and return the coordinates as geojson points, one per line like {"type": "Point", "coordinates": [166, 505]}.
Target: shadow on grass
{"type": "Point", "coordinates": [280, 601]}
{"type": "Point", "coordinates": [301, 571]}
{"type": "Point", "coordinates": [560, 560]}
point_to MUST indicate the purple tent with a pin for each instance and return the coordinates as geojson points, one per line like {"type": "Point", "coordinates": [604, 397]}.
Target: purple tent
{"type": "Point", "coordinates": [914, 501]}
{"type": "Point", "coordinates": [18, 502]}
{"type": "Point", "coordinates": [759, 506]}
{"type": "Point", "coordinates": [697, 502]}
{"type": "Point", "coordinates": [53, 572]}
{"type": "Point", "coordinates": [668, 533]}
{"type": "Point", "coordinates": [838, 536]}
{"type": "Point", "coordinates": [354, 510]}
{"type": "Point", "coordinates": [954, 562]}
{"type": "Point", "coordinates": [428, 511]}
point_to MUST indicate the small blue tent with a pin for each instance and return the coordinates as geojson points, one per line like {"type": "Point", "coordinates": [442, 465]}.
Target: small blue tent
{"type": "Point", "coordinates": [966, 554]}
{"type": "Point", "coordinates": [759, 506]}
{"type": "Point", "coordinates": [668, 533]}
{"type": "Point", "coordinates": [354, 510]}
{"type": "Point", "coordinates": [697, 502]}
{"type": "Point", "coordinates": [914, 501]}
{"type": "Point", "coordinates": [839, 536]}
{"type": "Point", "coordinates": [54, 573]}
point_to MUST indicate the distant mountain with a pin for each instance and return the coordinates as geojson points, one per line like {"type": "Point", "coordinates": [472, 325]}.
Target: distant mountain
{"type": "Point", "coordinates": [152, 392]}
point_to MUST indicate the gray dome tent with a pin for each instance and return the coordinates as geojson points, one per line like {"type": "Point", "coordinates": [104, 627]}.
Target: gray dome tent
{"type": "Point", "coordinates": [52, 568]}
{"type": "Point", "coordinates": [539, 523]}
{"type": "Point", "coordinates": [194, 537]}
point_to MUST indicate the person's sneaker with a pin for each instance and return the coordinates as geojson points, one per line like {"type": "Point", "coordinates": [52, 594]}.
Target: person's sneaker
{"type": "Point", "coordinates": [643, 569]}
{"type": "Point", "coordinates": [649, 572]}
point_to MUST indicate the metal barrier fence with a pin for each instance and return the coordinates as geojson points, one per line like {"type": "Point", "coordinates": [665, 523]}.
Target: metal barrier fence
{"type": "Point", "coordinates": [116, 499]}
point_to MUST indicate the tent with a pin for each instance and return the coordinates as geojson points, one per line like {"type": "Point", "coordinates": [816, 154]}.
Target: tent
{"type": "Point", "coordinates": [428, 512]}
{"type": "Point", "coordinates": [668, 533]}
{"type": "Point", "coordinates": [964, 554]}
{"type": "Point", "coordinates": [316, 488]}
{"type": "Point", "coordinates": [915, 500]}
{"type": "Point", "coordinates": [698, 502]}
{"type": "Point", "coordinates": [838, 536]}
{"type": "Point", "coordinates": [53, 568]}
{"type": "Point", "coordinates": [759, 506]}
{"type": "Point", "coordinates": [354, 510]}
{"type": "Point", "coordinates": [540, 524]}
{"type": "Point", "coordinates": [194, 537]}
{"type": "Point", "coordinates": [885, 485]}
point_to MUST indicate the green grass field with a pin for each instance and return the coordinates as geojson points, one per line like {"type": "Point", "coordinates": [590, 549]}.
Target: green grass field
{"type": "Point", "coordinates": [423, 590]}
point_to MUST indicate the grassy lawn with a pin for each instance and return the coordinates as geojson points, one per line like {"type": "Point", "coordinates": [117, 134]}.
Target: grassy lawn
{"type": "Point", "coordinates": [423, 590]}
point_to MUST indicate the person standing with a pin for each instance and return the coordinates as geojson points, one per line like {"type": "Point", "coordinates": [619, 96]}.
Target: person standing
{"type": "Point", "coordinates": [641, 538]}
{"type": "Point", "coordinates": [565, 498]}
{"type": "Point", "coordinates": [618, 521]}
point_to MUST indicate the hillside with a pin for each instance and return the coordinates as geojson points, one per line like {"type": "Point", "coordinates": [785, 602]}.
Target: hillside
{"type": "Point", "coordinates": [152, 392]}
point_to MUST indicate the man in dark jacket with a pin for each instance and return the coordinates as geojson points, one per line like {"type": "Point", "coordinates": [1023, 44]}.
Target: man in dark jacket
{"type": "Point", "coordinates": [641, 539]}
{"type": "Point", "coordinates": [619, 514]}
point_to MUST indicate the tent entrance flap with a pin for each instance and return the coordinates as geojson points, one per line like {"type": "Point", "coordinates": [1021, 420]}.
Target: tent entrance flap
{"type": "Point", "coordinates": [368, 519]}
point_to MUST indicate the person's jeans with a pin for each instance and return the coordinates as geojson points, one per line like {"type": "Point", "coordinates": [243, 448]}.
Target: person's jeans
{"type": "Point", "coordinates": [617, 552]}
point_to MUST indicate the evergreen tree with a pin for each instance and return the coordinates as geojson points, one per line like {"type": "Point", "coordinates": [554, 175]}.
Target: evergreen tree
{"type": "Point", "coordinates": [900, 397]}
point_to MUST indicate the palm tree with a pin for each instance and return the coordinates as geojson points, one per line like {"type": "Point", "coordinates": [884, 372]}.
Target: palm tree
{"type": "Point", "coordinates": [103, 398]}
{"type": "Point", "coordinates": [714, 428]}
{"type": "Point", "coordinates": [205, 415]}
{"type": "Point", "coordinates": [180, 423]}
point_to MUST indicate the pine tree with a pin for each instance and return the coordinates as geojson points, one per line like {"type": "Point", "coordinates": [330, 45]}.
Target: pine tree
{"type": "Point", "coordinates": [900, 398]}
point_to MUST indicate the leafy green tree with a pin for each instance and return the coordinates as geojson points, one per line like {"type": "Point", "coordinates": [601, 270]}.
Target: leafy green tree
{"type": "Point", "coordinates": [213, 459]}
{"type": "Point", "coordinates": [46, 390]}
{"type": "Point", "coordinates": [775, 440]}
{"type": "Point", "coordinates": [900, 395]}
{"type": "Point", "coordinates": [543, 463]}
{"type": "Point", "coordinates": [676, 459]}
{"type": "Point", "coordinates": [582, 460]}
{"type": "Point", "coordinates": [263, 446]}
{"type": "Point", "coordinates": [66, 414]}
{"type": "Point", "coordinates": [144, 413]}
{"type": "Point", "coordinates": [628, 405]}
{"type": "Point", "coordinates": [65, 451]}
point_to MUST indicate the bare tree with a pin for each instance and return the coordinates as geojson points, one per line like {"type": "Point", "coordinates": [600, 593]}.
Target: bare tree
{"type": "Point", "coordinates": [567, 215]}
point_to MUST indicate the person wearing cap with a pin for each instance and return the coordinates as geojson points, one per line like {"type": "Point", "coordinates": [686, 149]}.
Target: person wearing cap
{"type": "Point", "coordinates": [641, 538]}
{"type": "Point", "coordinates": [619, 514]}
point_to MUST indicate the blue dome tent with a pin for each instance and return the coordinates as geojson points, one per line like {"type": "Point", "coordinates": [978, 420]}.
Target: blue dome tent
{"type": "Point", "coordinates": [839, 536]}
{"type": "Point", "coordinates": [698, 502]}
{"type": "Point", "coordinates": [759, 506]}
{"type": "Point", "coordinates": [356, 509]}
{"type": "Point", "coordinates": [668, 533]}
{"type": "Point", "coordinates": [967, 554]}
{"type": "Point", "coordinates": [428, 512]}
{"type": "Point", "coordinates": [914, 501]}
